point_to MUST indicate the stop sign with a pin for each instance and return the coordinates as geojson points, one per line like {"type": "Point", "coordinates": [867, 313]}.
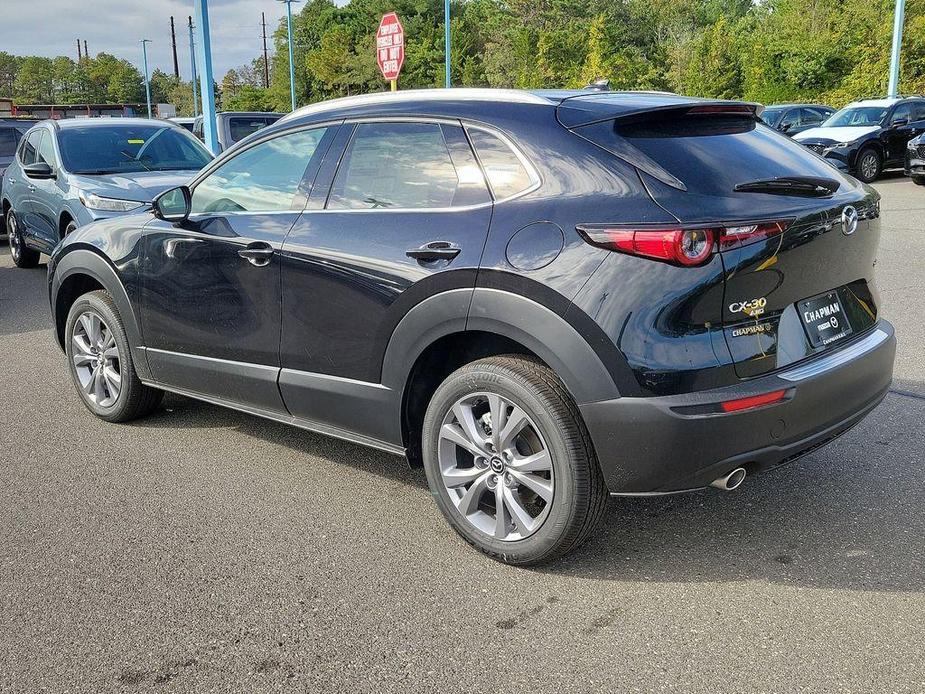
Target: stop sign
{"type": "Point", "coordinates": [390, 46]}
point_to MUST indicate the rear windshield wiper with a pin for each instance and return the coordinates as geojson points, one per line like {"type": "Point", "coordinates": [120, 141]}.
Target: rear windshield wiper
{"type": "Point", "coordinates": [806, 186]}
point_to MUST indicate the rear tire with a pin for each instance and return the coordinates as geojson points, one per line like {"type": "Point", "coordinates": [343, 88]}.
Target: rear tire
{"type": "Point", "coordinates": [869, 165]}
{"type": "Point", "coordinates": [100, 361]}
{"type": "Point", "coordinates": [22, 255]}
{"type": "Point", "coordinates": [918, 180]}
{"type": "Point", "coordinates": [538, 462]}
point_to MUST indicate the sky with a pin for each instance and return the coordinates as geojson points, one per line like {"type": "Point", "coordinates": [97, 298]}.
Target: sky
{"type": "Point", "coordinates": [52, 27]}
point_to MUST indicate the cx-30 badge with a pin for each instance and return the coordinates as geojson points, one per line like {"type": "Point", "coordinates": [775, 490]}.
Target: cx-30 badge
{"type": "Point", "coordinates": [849, 220]}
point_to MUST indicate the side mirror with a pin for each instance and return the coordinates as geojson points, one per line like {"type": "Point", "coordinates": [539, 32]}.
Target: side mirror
{"type": "Point", "coordinates": [900, 121]}
{"type": "Point", "coordinates": [174, 205]}
{"type": "Point", "coordinates": [785, 127]}
{"type": "Point", "coordinates": [39, 170]}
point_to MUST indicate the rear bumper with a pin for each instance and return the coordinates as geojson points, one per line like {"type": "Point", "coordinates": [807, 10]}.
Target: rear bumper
{"type": "Point", "coordinates": [646, 446]}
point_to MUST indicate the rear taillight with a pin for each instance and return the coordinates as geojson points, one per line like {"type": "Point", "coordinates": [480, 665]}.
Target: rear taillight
{"type": "Point", "coordinates": [681, 246]}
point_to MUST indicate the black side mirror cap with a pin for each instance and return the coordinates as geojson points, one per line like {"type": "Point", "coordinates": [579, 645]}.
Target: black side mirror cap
{"type": "Point", "coordinates": [900, 121]}
{"type": "Point", "coordinates": [173, 205]}
{"type": "Point", "coordinates": [39, 170]}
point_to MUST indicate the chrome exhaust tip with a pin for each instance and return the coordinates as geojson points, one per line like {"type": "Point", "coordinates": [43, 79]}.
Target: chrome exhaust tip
{"type": "Point", "coordinates": [731, 481]}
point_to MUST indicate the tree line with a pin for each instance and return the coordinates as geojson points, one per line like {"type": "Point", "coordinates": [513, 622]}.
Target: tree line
{"type": "Point", "coordinates": [768, 51]}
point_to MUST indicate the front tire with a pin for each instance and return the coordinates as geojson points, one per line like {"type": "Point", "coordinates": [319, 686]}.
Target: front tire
{"type": "Point", "coordinates": [869, 165]}
{"type": "Point", "coordinates": [509, 461]}
{"type": "Point", "coordinates": [918, 180]}
{"type": "Point", "coordinates": [22, 255]}
{"type": "Point", "coordinates": [100, 361]}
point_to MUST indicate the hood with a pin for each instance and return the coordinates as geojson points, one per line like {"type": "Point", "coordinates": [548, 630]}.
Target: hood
{"type": "Point", "coordinates": [143, 186]}
{"type": "Point", "coordinates": [842, 134]}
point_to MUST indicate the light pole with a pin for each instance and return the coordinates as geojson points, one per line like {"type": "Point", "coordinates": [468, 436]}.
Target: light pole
{"type": "Point", "coordinates": [288, 4]}
{"type": "Point", "coordinates": [192, 64]}
{"type": "Point", "coordinates": [144, 53]}
{"type": "Point", "coordinates": [446, 29]}
{"type": "Point", "coordinates": [898, 16]}
{"type": "Point", "coordinates": [206, 82]}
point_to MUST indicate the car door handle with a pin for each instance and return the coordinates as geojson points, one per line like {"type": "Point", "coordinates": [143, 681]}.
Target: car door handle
{"type": "Point", "coordinates": [435, 250]}
{"type": "Point", "coordinates": [257, 253]}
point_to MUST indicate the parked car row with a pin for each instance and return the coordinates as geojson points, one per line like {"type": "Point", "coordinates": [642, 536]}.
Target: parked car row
{"type": "Point", "coordinates": [543, 298]}
{"type": "Point", "coordinates": [864, 138]}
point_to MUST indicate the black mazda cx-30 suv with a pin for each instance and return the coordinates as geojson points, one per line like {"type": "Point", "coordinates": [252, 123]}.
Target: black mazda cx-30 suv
{"type": "Point", "coordinates": [543, 298]}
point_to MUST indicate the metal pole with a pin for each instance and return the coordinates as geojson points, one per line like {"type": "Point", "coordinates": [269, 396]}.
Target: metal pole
{"type": "Point", "coordinates": [144, 53]}
{"type": "Point", "coordinates": [291, 52]}
{"type": "Point", "coordinates": [266, 60]}
{"type": "Point", "coordinates": [206, 90]}
{"type": "Point", "coordinates": [192, 63]}
{"type": "Point", "coordinates": [173, 43]}
{"type": "Point", "coordinates": [898, 16]}
{"type": "Point", "coordinates": [446, 28]}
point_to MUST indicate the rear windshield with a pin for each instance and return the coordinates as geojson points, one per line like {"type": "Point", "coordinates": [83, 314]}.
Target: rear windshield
{"type": "Point", "coordinates": [129, 148]}
{"type": "Point", "coordinates": [711, 154]}
{"type": "Point", "coordinates": [242, 126]}
{"type": "Point", "coordinates": [9, 140]}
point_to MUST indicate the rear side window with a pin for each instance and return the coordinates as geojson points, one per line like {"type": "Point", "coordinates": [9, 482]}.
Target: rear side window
{"type": "Point", "coordinates": [30, 147]}
{"type": "Point", "coordinates": [919, 110]}
{"type": "Point", "coordinates": [262, 178]}
{"type": "Point", "coordinates": [507, 174]}
{"type": "Point", "coordinates": [407, 166]}
{"type": "Point", "coordinates": [711, 154]}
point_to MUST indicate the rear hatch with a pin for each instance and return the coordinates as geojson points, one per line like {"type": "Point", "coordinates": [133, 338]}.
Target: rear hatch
{"type": "Point", "coordinates": [800, 237]}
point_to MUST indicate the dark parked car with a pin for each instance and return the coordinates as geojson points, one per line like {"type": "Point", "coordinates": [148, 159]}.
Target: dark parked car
{"type": "Point", "coordinates": [234, 126]}
{"type": "Point", "coordinates": [71, 172]}
{"type": "Point", "coordinates": [11, 132]}
{"type": "Point", "coordinates": [791, 119]}
{"type": "Point", "coordinates": [542, 298]}
{"type": "Point", "coordinates": [915, 160]}
{"type": "Point", "coordinates": [867, 137]}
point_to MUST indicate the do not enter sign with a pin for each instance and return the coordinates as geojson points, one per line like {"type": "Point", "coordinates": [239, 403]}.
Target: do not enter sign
{"type": "Point", "coordinates": [390, 46]}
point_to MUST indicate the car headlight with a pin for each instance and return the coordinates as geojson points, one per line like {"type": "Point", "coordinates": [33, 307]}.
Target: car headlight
{"type": "Point", "coordinates": [840, 145]}
{"type": "Point", "coordinates": [911, 144]}
{"type": "Point", "coordinates": [96, 202]}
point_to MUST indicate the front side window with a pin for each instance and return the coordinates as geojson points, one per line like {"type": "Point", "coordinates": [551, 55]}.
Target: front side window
{"type": "Point", "coordinates": [46, 151]}
{"type": "Point", "coordinates": [902, 112]}
{"type": "Point", "coordinates": [30, 147]}
{"type": "Point", "coordinates": [262, 178]}
{"type": "Point", "coordinates": [506, 173]}
{"type": "Point", "coordinates": [407, 166]}
{"type": "Point", "coordinates": [129, 148]}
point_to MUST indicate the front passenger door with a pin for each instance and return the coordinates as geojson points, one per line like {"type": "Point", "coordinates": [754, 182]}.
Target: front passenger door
{"type": "Point", "coordinates": [901, 130]}
{"type": "Point", "coordinates": [211, 286]}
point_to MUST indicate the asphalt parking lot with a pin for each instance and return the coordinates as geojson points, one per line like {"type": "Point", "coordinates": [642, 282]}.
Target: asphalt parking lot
{"type": "Point", "coordinates": [202, 550]}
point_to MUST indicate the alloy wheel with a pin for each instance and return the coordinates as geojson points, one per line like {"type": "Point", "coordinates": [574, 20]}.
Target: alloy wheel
{"type": "Point", "coordinates": [12, 234]}
{"type": "Point", "coordinates": [97, 362]}
{"type": "Point", "coordinates": [869, 165]}
{"type": "Point", "coordinates": [495, 466]}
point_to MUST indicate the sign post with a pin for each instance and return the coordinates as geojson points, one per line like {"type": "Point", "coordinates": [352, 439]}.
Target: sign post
{"type": "Point", "coordinates": [390, 48]}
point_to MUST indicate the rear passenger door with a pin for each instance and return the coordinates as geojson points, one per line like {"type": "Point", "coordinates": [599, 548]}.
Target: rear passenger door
{"type": "Point", "coordinates": [400, 215]}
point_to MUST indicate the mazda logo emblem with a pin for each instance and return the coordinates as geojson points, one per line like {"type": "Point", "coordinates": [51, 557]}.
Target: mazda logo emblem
{"type": "Point", "coordinates": [849, 220]}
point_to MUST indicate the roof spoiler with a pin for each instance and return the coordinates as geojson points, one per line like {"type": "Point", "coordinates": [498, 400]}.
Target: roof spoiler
{"type": "Point", "coordinates": [594, 110]}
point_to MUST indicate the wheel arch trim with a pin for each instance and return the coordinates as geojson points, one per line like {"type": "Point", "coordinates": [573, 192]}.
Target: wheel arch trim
{"type": "Point", "coordinates": [83, 261]}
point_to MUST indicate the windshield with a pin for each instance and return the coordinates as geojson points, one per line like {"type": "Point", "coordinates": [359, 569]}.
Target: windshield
{"type": "Point", "coordinates": [857, 115]}
{"type": "Point", "coordinates": [129, 148]}
{"type": "Point", "coordinates": [771, 116]}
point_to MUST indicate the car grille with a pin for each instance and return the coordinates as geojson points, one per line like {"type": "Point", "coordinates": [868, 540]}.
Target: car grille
{"type": "Point", "coordinates": [920, 151]}
{"type": "Point", "coordinates": [818, 149]}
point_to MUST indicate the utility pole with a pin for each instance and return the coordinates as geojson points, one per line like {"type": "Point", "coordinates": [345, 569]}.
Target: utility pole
{"type": "Point", "coordinates": [898, 17]}
{"type": "Point", "coordinates": [206, 83]}
{"type": "Point", "coordinates": [266, 60]}
{"type": "Point", "coordinates": [446, 29]}
{"type": "Point", "coordinates": [86, 52]}
{"type": "Point", "coordinates": [144, 53]}
{"type": "Point", "coordinates": [173, 42]}
{"type": "Point", "coordinates": [192, 63]}
{"type": "Point", "coordinates": [291, 56]}
{"type": "Point", "coordinates": [78, 51]}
